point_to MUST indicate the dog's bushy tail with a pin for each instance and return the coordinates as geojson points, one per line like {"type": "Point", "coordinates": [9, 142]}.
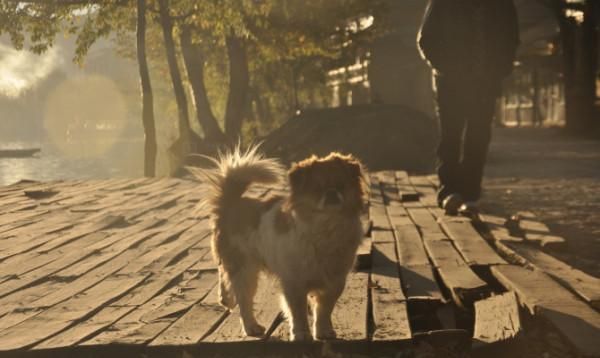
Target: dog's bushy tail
{"type": "Point", "coordinates": [234, 171]}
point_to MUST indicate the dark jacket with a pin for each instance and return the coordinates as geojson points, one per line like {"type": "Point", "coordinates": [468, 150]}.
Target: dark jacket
{"type": "Point", "coordinates": [470, 37]}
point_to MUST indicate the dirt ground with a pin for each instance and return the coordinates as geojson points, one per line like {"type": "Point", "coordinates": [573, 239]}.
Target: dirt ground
{"type": "Point", "coordinates": [556, 177]}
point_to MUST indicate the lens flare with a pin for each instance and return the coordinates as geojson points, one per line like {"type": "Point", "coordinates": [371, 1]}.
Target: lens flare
{"type": "Point", "coordinates": [85, 116]}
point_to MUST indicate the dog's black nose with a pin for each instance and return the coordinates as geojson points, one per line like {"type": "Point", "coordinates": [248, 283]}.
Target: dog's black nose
{"type": "Point", "coordinates": [332, 197]}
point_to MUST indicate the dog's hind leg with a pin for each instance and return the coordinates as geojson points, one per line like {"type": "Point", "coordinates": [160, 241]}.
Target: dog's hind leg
{"type": "Point", "coordinates": [244, 282]}
{"type": "Point", "coordinates": [226, 296]}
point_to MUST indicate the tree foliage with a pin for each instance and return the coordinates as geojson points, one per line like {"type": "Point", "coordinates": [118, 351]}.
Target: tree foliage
{"type": "Point", "coordinates": [285, 46]}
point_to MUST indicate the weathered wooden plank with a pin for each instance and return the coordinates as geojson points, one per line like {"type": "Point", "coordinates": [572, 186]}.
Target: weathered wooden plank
{"type": "Point", "coordinates": [398, 215]}
{"type": "Point", "coordinates": [410, 247]}
{"type": "Point", "coordinates": [420, 285]}
{"type": "Point", "coordinates": [415, 269]}
{"type": "Point", "coordinates": [586, 286]}
{"type": "Point", "coordinates": [16, 267]}
{"type": "Point", "coordinates": [428, 226]}
{"type": "Point", "coordinates": [117, 259]}
{"type": "Point", "coordinates": [522, 252]}
{"type": "Point", "coordinates": [17, 225]}
{"type": "Point", "coordinates": [16, 246]}
{"type": "Point", "coordinates": [130, 184]}
{"type": "Point", "coordinates": [266, 309]}
{"type": "Point", "coordinates": [195, 324]}
{"type": "Point", "coordinates": [427, 191]}
{"type": "Point", "coordinates": [104, 318]}
{"type": "Point", "coordinates": [53, 224]}
{"type": "Point", "coordinates": [464, 285]}
{"type": "Point", "coordinates": [146, 247]}
{"type": "Point", "coordinates": [12, 220]}
{"type": "Point", "coordinates": [15, 317]}
{"type": "Point", "coordinates": [13, 198]}
{"type": "Point", "coordinates": [89, 227]}
{"type": "Point", "coordinates": [391, 194]}
{"type": "Point", "coordinates": [390, 317]}
{"type": "Point", "coordinates": [350, 313]}
{"type": "Point", "coordinates": [58, 245]}
{"type": "Point", "coordinates": [205, 263]}
{"type": "Point", "coordinates": [405, 188]}
{"type": "Point", "coordinates": [497, 227]}
{"type": "Point", "coordinates": [434, 180]}
{"type": "Point", "coordinates": [535, 231]}
{"type": "Point", "coordinates": [153, 317]}
{"type": "Point", "coordinates": [471, 245]}
{"type": "Point", "coordinates": [60, 317]}
{"type": "Point", "coordinates": [124, 305]}
{"type": "Point", "coordinates": [136, 199]}
{"type": "Point", "coordinates": [164, 255]}
{"type": "Point", "coordinates": [165, 277]}
{"type": "Point", "coordinates": [137, 210]}
{"type": "Point", "coordinates": [443, 253]}
{"type": "Point", "coordinates": [70, 258]}
{"type": "Point", "coordinates": [22, 298]}
{"type": "Point", "coordinates": [78, 193]}
{"type": "Point", "coordinates": [18, 186]}
{"type": "Point", "coordinates": [154, 185]}
{"type": "Point", "coordinates": [497, 320]}
{"type": "Point", "coordinates": [382, 235]}
{"type": "Point", "coordinates": [378, 216]}
{"type": "Point", "coordinates": [577, 322]}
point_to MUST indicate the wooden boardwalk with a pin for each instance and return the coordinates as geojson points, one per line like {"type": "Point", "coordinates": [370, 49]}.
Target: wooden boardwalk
{"type": "Point", "coordinates": [123, 267]}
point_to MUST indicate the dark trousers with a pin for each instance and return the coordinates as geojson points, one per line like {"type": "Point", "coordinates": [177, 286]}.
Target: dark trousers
{"type": "Point", "coordinates": [465, 109]}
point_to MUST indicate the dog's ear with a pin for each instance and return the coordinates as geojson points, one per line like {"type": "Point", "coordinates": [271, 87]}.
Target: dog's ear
{"type": "Point", "coordinates": [357, 171]}
{"type": "Point", "coordinates": [297, 175]}
{"type": "Point", "coordinates": [354, 166]}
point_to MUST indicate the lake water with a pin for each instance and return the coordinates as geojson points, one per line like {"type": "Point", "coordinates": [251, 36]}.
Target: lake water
{"type": "Point", "coordinates": [121, 160]}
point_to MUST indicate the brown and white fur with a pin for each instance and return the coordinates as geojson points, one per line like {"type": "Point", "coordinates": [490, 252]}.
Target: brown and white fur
{"type": "Point", "coordinates": [307, 240]}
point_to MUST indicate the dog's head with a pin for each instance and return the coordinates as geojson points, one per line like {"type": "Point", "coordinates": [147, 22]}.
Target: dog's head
{"type": "Point", "coordinates": [335, 183]}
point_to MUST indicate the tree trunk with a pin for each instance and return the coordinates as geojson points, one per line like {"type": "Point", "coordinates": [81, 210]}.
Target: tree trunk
{"type": "Point", "coordinates": [568, 67]}
{"type": "Point", "coordinates": [589, 64]}
{"type": "Point", "coordinates": [182, 146]}
{"type": "Point", "coordinates": [194, 60]}
{"type": "Point", "coordinates": [238, 86]}
{"type": "Point", "coordinates": [147, 98]}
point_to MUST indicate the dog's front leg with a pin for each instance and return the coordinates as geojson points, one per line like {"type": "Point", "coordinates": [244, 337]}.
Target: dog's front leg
{"type": "Point", "coordinates": [324, 303]}
{"type": "Point", "coordinates": [297, 313]}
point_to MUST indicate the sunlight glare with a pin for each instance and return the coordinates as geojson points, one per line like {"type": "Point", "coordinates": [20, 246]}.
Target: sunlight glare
{"type": "Point", "coordinates": [85, 116]}
{"type": "Point", "coordinates": [21, 70]}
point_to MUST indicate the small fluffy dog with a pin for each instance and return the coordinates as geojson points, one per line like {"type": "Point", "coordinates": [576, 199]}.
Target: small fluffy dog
{"type": "Point", "coordinates": [307, 240]}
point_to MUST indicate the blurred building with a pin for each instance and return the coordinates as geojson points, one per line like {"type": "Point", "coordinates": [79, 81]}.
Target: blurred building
{"type": "Point", "coordinates": [389, 70]}
{"type": "Point", "coordinates": [397, 73]}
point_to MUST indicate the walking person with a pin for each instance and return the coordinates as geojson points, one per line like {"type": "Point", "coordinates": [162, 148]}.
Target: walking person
{"type": "Point", "coordinates": [471, 46]}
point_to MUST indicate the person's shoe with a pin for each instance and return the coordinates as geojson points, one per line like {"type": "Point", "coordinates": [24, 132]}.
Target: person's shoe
{"type": "Point", "coordinates": [452, 203]}
{"type": "Point", "coordinates": [469, 208]}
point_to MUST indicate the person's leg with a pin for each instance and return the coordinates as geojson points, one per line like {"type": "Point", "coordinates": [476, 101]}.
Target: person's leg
{"type": "Point", "coordinates": [478, 134]}
{"type": "Point", "coordinates": [450, 113]}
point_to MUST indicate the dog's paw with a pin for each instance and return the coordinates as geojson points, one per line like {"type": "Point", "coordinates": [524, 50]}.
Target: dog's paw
{"type": "Point", "coordinates": [227, 300]}
{"type": "Point", "coordinates": [300, 336]}
{"type": "Point", "coordinates": [254, 330]}
{"type": "Point", "coordinates": [325, 334]}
